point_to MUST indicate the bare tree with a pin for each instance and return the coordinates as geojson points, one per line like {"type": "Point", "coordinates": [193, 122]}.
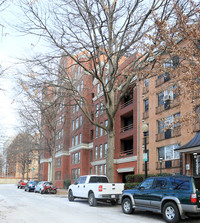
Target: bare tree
{"type": "Point", "coordinates": [98, 36]}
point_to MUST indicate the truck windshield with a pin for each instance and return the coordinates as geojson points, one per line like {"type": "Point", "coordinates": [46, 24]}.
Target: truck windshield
{"type": "Point", "coordinates": [97, 179]}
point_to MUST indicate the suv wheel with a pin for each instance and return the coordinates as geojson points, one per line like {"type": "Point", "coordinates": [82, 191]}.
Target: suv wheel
{"type": "Point", "coordinates": [92, 200]}
{"type": "Point", "coordinates": [70, 196]}
{"type": "Point", "coordinates": [171, 213]}
{"type": "Point", "coordinates": [127, 206]}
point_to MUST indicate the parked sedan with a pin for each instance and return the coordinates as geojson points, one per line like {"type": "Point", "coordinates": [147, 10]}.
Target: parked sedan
{"type": "Point", "coordinates": [30, 186]}
{"type": "Point", "coordinates": [21, 184]}
{"type": "Point", "coordinates": [40, 187]}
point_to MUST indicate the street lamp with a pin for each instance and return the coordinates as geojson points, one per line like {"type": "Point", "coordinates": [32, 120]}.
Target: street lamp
{"type": "Point", "coordinates": [145, 129]}
{"type": "Point", "coordinates": [161, 159]}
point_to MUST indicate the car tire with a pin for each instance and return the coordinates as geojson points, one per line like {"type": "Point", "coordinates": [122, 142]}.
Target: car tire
{"type": "Point", "coordinates": [70, 196]}
{"type": "Point", "coordinates": [41, 192]}
{"type": "Point", "coordinates": [92, 200]}
{"type": "Point", "coordinates": [171, 213]}
{"type": "Point", "coordinates": [127, 206]}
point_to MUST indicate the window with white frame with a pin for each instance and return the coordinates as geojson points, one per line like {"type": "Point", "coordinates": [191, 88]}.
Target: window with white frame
{"type": "Point", "coordinates": [73, 125]}
{"type": "Point", "coordinates": [90, 170]}
{"type": "Point", "coordinates": [168, 152]}
{"type": "Point", "coordinates": [81, 102]}
{"type": "Point", "coordinates": [100, 151]}
{"type": "Point", "coordinates": [79, 157]}
{"type": "Point", "coordinates": [96, 170]}
{"type": "Point", "coordinates": [98, 88]}
{"type": "Point", "coordinates": [77, 123]}
{"type": "Point", "coordinates": [106, 124]}
{"type": "Point", "coordinates": [80, 138]}
{"type": "Point", "coordinates": [105, 149]}
{"type": "Point", "coordinates": [101, 130]}
{"type": "Point", "coordinates": [77, 108]}
{"type": "Point", "coordinates": [72, 141]}
{"type": "Point", "coordinates": [82, 85]}
{"type": "Point", "coordinates": [74, 108]}
{"type": "Point", "coordinates": [101, 108]}
{"type": "Point", "coordinates": [96, 152]}
{"type": "Point", "coordinates": [97, 131]}
{"type": "Point", "coordinates": [76, 140]}
{"type": "Point", "coordinates": [75, 158]}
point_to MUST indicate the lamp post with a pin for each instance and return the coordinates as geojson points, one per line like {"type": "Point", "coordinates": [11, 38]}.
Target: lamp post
{"type": "Point", "coordinates": [161, 164]}
{"type": "Point", "coordinates": [145, 129]}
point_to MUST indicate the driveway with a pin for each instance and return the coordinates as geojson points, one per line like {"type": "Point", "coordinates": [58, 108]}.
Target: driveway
{"type": "Point", "coordinates": [18, 206]}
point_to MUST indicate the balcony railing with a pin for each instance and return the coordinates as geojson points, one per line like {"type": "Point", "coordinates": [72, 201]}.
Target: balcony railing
{"type": "Point", "coordinates": [127, 103]}
{"type": "Point", "coordinates": [166, 106]}
{"type": "Point", "coordinates": [166, 164]}
{"type": "Point", "coordinates": [126, 153]}
{"type": "Point", "coordinates": [145, 114]}
{"type": "Point", "coordinates": [127, 127]}
{"type": "Point", "coordinates": [170, 133]}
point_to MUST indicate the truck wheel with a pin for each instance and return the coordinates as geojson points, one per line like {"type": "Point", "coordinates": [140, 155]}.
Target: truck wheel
{"type": "Point", "coordinates": [92, 200]}
{"type": "Point", "coordinates": [171, 213]}
{"type": "Point", "coordinates": [70, 196]}
{"type": "Point", "coordinates": [127, 206]}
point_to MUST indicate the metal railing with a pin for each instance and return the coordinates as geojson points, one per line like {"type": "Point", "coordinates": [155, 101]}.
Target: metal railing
{"type": "Point", "coordinates": [126, 153]}
{"type": "Point", "coordinates": [165, 164]}
{"type": "Point", "coordinates": [127, 103]}
{"type": "Point", "coordinates": [127, 127]}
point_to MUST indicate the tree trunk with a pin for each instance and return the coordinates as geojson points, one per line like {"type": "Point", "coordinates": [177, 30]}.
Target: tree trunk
{"type": "Point", "coordinates": [110, 155]}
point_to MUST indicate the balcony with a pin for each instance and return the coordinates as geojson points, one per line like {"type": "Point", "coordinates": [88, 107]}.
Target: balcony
{"type": "Point", "coordinates": [196, 125]}
{"type": "Point", "coordinates": [170, 133]}
{"type": "Point", "coordinates": [168, 105]}
{"type": "Point", "coordinates": [145, 114]}
{"type": "Point", "coordinates": [126, 153]}
{"type": "Point", "coordinates": [127, 127]}
{"type": "Point", "coordinates": [127, 103]}
{"type": "Point", "coordinates": [162, 79]}
{"type": "Point", "coordinates": [166, 164]}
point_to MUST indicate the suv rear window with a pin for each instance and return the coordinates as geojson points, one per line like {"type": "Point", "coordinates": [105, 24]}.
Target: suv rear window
{"type": "Point", "coordinates": [180, 183]}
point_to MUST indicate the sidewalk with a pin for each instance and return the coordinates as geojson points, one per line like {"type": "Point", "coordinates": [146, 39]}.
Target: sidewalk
{"type": "Point", "coordinates": [62, 192]}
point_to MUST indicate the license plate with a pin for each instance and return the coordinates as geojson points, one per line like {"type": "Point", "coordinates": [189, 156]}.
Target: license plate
{"type": "Point", "coordinates": [113, 196]}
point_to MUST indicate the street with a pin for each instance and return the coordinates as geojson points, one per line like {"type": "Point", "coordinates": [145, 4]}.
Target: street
{"type": "Point", "coordinates": [18, 206]}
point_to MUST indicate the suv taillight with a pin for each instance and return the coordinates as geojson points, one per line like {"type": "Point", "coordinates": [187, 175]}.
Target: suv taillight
{"type": "Point", "coordinates": [100, 188]}
{"type": "Point", "coordinates": [193, 198]}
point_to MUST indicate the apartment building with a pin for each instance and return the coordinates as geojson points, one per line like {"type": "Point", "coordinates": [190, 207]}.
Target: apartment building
{"type": "Point", "coordinates": [161, 107]}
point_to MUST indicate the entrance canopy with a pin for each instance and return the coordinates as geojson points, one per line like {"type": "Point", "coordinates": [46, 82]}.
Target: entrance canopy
{"type": "Point", "coordinates": [192, 146]}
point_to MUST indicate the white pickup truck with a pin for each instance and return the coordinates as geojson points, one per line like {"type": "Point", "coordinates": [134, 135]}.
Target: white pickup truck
{"type": "Point", "coordinates": [94, 188]}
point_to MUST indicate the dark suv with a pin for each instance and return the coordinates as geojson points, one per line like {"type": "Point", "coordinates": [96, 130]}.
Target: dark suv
{"type": "Point", "coordinates": [174, 196]}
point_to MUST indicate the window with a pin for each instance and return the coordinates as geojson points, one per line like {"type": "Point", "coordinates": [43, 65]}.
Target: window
{"type": "Point", "coordinates": [81, 120]}
{"type": "Point", "coordinates": [97, 110]}
{"type": "Point", "coordinates": [98, 88]}
{"type": "Point", "coordinates": [73, 158]}
{"type": "Point", "coordinates": [100, 170]}
{"type": "Point", "coordinates": [101, 108]}
{"type": "Point", "coordinates": [96, 170]}
{"type": "Point", "coordinates": [146, 105]}
{"type": "Point", "coordinates": [147, 184]}
{"type": "Point", "coordinates": [96, 152]}
{"type": "Point", "coordinates": [168, 152]}
{"type": "Point", "coordinates": [146, 82]}
{"type": "Point", "coordinates": [75, 174]}
{"type": "Point", "coordinates": [160, 184]}
{"type": "Point", "coordinates": [76, 140]}
{"type": "Point", "coordinates": [80, 138]}
{"type": "Point", "coordinates": [100, 151]}
{"type": "Point", "coordinates": [72, 174]}
{"type": "Point", "coordinates": [77, 123]}
{"type": "Point", "coordinates": [74, 109]}
{"type": "Point", "coordinates": [106, 125]}
{"type": "Point", "coordinates": [58, 175]}
{"type": "Point", "coordinates": [90, 170]}
{"type": "Point", "coordinates": [79, 157]}
{"type": "Point", "coordinates": [180, 183]}
{"type": "Point", "coordinates": [82, 85]}
{"type": "Point", "coordinates": [105, 149]}
{"type": "Point", "coordinates": [101, 130]}
{"type": "Point", "coordinates": [77, 107]}
{"type": "Point", "coordinates": [105, 169]}
{"type": "Point", "coordinates": [73, 124]}
{"type": "Point", "coordinates": [91, 156]}
{"type": "Point", "coordinates": [161, 98]}
{"type": "Point", "coordinates": [97, 131]}
{"type": "Point", "coordinates": [72, 141]}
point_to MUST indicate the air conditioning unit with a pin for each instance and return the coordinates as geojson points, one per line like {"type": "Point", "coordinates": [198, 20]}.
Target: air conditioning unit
{"type": "Point", "coordinates": [166, 97]}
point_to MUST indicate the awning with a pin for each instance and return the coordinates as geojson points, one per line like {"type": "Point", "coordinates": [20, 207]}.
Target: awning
{"type": "Point", "coordinates": [192, 146]}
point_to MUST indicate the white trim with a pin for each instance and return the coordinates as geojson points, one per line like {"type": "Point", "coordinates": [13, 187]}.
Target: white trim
{"type": "Point", "coordinates": [98, 96]}
{"type": "Point", "coordinates": [95, 81]}
{"type": "Point", "coordinates": [81, 146]}
{"type": "Point", "coordinates": [98, 162]}
{"type": "Point", "coordinates": [125, 160]}
{"type": "Point", "coordinates": [125, 170]}
{"type": "Point", "coordinates": [62, 153]}
{"type": "Point", "coordinates": [46, 160]}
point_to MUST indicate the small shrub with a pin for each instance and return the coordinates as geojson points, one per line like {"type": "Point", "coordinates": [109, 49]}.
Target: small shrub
{"type": "Point", "coordinates": [131, 185]}
{"type": "Point", "coordinates": [67, 183]}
